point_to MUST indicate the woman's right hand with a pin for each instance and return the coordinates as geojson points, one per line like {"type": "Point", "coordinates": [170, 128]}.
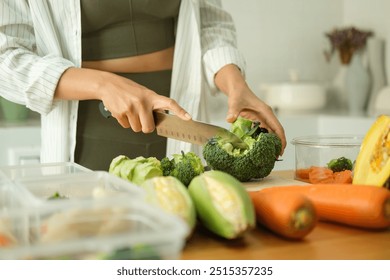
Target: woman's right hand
{"type": "Point", "coordinates": [129, 102]}
{"type": "Point", "coordinates": [133, 104]}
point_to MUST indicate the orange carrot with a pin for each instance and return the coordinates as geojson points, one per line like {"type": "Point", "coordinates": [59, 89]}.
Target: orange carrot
{"type": "Point", "coordinates": [5, 241]}
{"type": "Point", "coordinates": [320, 175]}
{"type": "Point", "coordinates": [302, 174]}
{"type": "Point", "coordinates": [289, 215]}
{"type": "Point", "coordinates": [342, 177]}
{"type": "Point", "coordinates": [355, 205]}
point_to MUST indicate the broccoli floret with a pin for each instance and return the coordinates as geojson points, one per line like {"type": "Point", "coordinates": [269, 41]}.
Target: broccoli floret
{"type": "Point", "coordinates": [56, 195]}
{"type": "Point", "coordinates": [254, 162]}
{"type": "Point", "coordinates": [340, 164]}
{"type": "Point", "coordinates": [241, 127]}
{"type": "Point", "coordinates": [184, 166]}
{"type": "Point", "coordinates": [135, 170]}
{"type": "Point", "coordinates": [167, 166]}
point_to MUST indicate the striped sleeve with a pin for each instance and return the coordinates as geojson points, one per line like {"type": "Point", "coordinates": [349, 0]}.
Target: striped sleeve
{"type": "Point", "coordinates": [26, 77]}
{"type": "Point", "coordinates": [218, 39]}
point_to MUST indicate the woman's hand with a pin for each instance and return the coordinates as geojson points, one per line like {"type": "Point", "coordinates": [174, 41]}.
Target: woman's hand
{"type": "Point", "coordinates": [133, 104]}
{"type": "Point", "coordinates": [243, 102]}
{"type": "Point", "coordinates": [130, 103]}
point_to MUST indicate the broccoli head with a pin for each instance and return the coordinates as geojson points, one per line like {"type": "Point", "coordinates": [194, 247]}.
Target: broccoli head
{"type": "Point", "coordinates": [184, 166]}
{"type": "Point", "coordinates": [255, 161]}
{"type": "Point", "coordinates": [340, 164]}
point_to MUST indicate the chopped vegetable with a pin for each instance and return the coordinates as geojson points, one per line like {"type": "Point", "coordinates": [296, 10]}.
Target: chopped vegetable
{"type": "Point", "coordinates": [56, 195]}
{"type": "Point", "coordinates": [291, 215]}
{"type": "Point", "coordinates": [320, 175]}
{"type": "Point", "coordinates": [323, 175]}
{"type": "Point", "coordinates": [184, 166]}
{"type": "Point", "coordinates": [354, 205]}
{"type": "Point", "coordinates": [5, 240]}
{"type": "Point", "coordinates": [342, 177]}
{"type": "Point", "coordinates": [340, 164]}
{"type": "Point", "coordinates": [135, 170]}
{"type": "Point", "coordinates": [255, 159]}
{"type": "Point", "coordinates": [302, 174]}
{"type": "Point", "coordinates": [222, 204]}
{"type": "Point", "coordinates": [139, 252]}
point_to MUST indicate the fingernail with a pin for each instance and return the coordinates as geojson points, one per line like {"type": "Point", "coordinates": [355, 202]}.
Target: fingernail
{"type": "Point", "coordinates": [187, 116]}
{"type": "Point", "coordinates": [230, 116]}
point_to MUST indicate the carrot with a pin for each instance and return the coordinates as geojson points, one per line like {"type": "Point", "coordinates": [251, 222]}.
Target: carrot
{"type": "Point", "coordinates": [302, 174]}
{"type": "Point", "coordinates": [5, 241]}
{"type": "Point", "coordinates": [362, 206]}
{"type": "Point", "coordinates": [291, 216]}
{"type": "Point", "coordinates": [342, 177]}
{"type": "Point", "coordinates": [320, 175]}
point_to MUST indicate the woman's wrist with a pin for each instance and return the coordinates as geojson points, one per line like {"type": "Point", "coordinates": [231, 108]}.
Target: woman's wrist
{"type": "Point", "coordinates": [230, 80]}
{"type": "Point", "coordinates": [81, 84]}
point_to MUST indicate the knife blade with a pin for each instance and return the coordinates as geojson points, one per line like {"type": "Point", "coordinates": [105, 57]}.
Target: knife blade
{"type": "Point", "coordinates": [195, 132]}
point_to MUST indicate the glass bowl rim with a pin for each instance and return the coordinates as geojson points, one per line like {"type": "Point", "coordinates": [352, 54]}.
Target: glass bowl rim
{"type": "Point", "coordinates": [318, 140]}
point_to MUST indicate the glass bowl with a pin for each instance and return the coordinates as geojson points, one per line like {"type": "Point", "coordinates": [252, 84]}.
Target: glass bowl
{"type": "Point", "coordinates": [313, 153]}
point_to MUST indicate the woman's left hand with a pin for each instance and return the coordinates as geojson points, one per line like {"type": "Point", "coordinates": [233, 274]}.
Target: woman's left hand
{"type": "Point", "coordinates": [243, 102]}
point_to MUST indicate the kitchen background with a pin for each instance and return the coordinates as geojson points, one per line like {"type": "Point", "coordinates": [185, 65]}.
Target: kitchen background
{"type": "Point", "coordinates": [284, 43]}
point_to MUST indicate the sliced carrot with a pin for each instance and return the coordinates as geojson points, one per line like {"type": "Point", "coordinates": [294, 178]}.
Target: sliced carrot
{"type": "Point", "coordinates": [343, 177]}
{"type": "Point", "coordinates": [5, 241]}
{"type": "Point", "coordinates": [320, 175]}
{"type": "Point", "coordinates": [302, 174]}
{"type": "Point", "coordinates": [289, 215]}
{"type": "Point", "coordinates": [355, 205]}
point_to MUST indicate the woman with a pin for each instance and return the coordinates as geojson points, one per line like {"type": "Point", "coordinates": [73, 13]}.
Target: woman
{"type": "Point", "coordinates": [61, 58]}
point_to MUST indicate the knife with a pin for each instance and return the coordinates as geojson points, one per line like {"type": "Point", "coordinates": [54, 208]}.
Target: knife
{"type": "Point", "coordinates": [195, 132]}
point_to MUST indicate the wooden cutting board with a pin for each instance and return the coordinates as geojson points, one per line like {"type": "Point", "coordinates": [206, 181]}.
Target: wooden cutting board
{"type": "Point", "coordinates": [271, 181]}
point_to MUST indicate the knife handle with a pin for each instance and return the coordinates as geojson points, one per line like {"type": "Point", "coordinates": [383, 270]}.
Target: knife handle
{"type": "Point", "coordinates": [104, 111]}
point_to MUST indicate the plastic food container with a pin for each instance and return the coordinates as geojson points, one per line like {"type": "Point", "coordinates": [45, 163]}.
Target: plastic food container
{"type": "Point", "coordinates": [14, 172]}
{"type": "Point", "coordinates": [88, 185]}
{"type": "Point", "coordinates": [317, 151]}
{"type": "Point", "coordinates": [111, 228]}
{"type": "Point", "coordinates": [100, 216]}
{"type": "Point", "coordinates": [12, 196]}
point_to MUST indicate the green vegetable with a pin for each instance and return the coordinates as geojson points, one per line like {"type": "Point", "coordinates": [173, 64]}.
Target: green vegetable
{"type": "Point", "coordinates": [340, 164]}
{"type": "Point", "coordinates": [172, 196]}
{"type": "Point", "coordinates": [244, 163]}
{"type": "Point", "coordinates": [139, 252]}
{"type": "Point", "coordinates": [135, 170]}
{"type": "Point", "coordinates": [56, 195]}
{"type": "Point", "coordinates": [184, 166]}
{"type": "Point", "coordinates": [222, 204]}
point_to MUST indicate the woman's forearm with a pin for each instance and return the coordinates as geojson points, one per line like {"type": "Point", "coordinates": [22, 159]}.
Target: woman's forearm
{"type": "Point", "coordinates": [80, 84]}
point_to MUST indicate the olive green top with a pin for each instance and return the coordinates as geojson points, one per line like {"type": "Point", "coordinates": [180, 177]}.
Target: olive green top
{"type": "Point", "coordinates": [122, 28]}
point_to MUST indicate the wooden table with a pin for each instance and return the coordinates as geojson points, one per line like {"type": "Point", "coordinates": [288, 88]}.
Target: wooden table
{"type": "Point", "coordinates": [326, 242]}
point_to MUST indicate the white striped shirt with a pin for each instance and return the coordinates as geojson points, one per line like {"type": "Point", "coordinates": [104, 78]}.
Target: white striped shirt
{"type": "Point", "coordinates": [40, 39]}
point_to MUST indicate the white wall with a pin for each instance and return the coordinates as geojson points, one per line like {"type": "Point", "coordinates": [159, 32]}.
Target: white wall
{"type": "Point", "coordinates": [373, 15]}
{"type": "Point", "coordinates": [279, 35]}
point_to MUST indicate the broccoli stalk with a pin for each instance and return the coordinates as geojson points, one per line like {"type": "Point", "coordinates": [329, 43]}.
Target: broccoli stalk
{"type": "Point", "coordinates": [255, 161]}
{"type": "Point", "coordinates": [184, 166]}
{"type": "Point", "coordinates": [340, 164]}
